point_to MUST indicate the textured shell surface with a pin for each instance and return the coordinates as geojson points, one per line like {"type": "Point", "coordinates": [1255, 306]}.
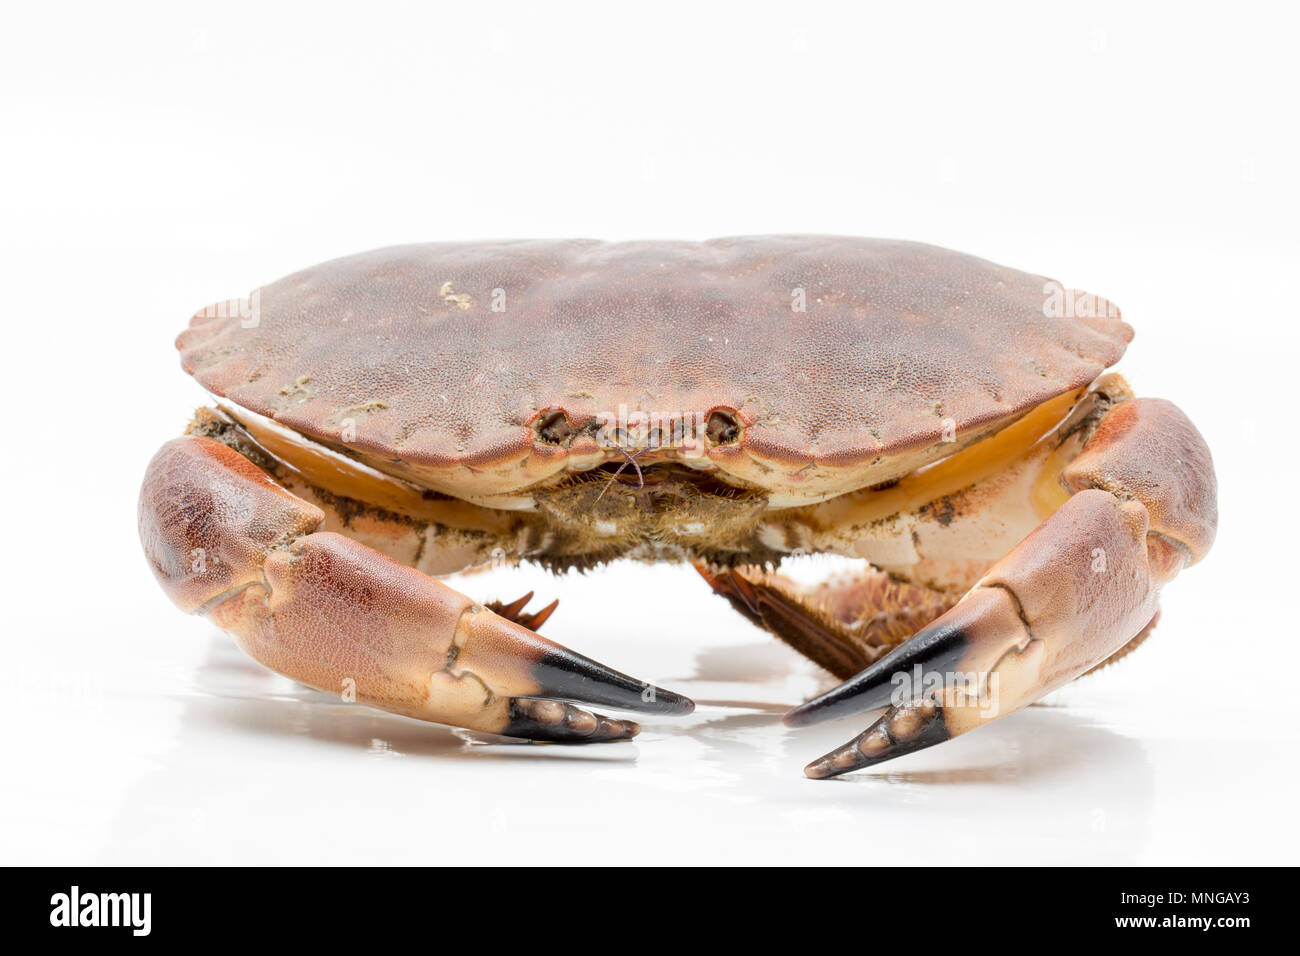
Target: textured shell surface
{"type": "Point", "coordinates": [834, 353]}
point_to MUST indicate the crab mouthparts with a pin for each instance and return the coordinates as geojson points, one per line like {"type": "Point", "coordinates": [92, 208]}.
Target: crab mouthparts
{"type": "Point", "coordinates": [631, 460]}
{"type": "Point", "coordinates": [627, 508]}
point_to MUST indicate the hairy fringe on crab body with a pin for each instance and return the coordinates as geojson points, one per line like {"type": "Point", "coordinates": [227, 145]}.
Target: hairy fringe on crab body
{"type": "Point", "coordinates": [581, 522]}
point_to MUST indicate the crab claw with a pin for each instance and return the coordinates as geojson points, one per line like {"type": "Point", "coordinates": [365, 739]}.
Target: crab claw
{"type": "Point", "coordinates": [525, 664]}
{"type": "Point", "coordinates": [1069, 596]}
{"type": "Point", "coordinates": [423, 650]}
{"type": "Point", "coordinates": [336, 615]}
{"type": "Point", "coordinates": [948, 679]}
{"type": "Point", "coordinates": [558, 722]}
{"type": "Point", "coordinates": [934, 652]}
{"type": "Point", "coordinates": [904, 729]}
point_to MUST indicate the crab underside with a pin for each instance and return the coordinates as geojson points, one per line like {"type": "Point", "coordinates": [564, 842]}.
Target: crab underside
{"type": "Point", "coordinates": [1003, 556]}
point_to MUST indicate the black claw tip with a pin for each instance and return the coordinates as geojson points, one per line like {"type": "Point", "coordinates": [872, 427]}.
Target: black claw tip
{"type": "Point", "coordinates": [934, 650]}
{"type": "Point", "coordinates": [571, 676]}
{"type": "Point", "coordinates": [903, 730]}
{"type": "Point", "coordinates": [561, 723]}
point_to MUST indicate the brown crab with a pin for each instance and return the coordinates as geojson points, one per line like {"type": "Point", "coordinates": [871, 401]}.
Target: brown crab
{"type": "Point", "coordinates": [407, 413]}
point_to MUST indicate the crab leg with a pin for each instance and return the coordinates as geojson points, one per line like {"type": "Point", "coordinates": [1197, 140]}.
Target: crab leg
{"type": "Point", "coordinates": [1072, 594]}
{"type": "Point", "coordinates": [843, 625]}
{"type": "Point", "coordinates": [227, 541]}
{"type": "Point", "coordinates": [514, 611]}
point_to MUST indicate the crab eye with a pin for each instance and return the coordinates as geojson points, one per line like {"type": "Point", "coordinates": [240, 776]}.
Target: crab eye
{"type": "Point", "coordinates": [723, 428]}
{"type": "Point", "coordinates": [554, 428]}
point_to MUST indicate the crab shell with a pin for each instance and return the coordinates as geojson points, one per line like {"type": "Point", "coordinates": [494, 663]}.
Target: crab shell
{"type": "Point", "coordinates": [842, 362]}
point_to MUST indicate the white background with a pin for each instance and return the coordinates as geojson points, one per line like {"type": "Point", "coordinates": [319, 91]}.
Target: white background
{"type": "Point", "coordinates": [155, 160]}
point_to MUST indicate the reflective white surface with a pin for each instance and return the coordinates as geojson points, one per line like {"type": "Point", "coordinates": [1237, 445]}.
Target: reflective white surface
{"type": "Point", "coordinates": [177, 748]}
{"type": "Point", "coordinates": [161, 159]}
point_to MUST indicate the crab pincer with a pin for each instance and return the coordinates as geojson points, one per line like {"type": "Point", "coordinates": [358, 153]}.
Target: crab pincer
{"type": "Point", "coordinates": [334, 614]}
{"type": "Point", "coordinates": [1076, 592]}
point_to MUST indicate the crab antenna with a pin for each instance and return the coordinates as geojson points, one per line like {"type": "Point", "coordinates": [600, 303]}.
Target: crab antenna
{"type": "Point", "coordinates": [631, 460]}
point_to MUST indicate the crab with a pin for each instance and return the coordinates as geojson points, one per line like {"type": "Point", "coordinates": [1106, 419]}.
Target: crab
{"type": "Point", "coordinates": [386, 419]}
